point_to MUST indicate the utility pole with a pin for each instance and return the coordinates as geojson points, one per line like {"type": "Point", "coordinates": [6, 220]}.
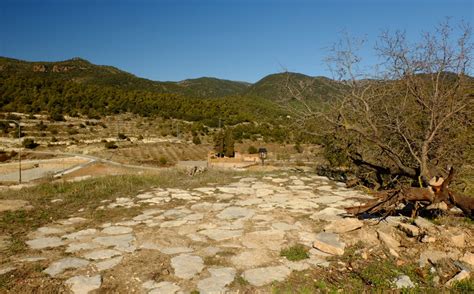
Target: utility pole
{"type": "Point", "coordinates": [19, 146]}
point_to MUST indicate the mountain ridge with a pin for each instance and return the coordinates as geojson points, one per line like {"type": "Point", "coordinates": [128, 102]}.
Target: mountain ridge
{"type": "Point", "coordinates": [82, 71]}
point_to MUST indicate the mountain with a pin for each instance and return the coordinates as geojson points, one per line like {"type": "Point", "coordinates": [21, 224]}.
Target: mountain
{"type": "Point", "coordinates": [287, 86]}
{"type": "Point", "coordinates": [82, 71]}
{"type": "Point", "coordinates": [212, 87]}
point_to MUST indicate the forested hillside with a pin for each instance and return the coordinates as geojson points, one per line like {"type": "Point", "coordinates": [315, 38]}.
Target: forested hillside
{"type": "Point", "coordinates": [78, 87]}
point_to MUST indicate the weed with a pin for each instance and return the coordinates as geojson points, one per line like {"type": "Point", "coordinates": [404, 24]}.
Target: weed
{"type": "Point", "coordinates": [464, 286]}
{"type": "Point", "coordinates": [295, 252]}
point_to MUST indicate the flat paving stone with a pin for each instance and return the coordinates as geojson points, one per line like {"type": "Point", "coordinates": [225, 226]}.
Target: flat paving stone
{"type": "Point", "coordinates": [328, 214]}
{"type": "Point", "coordinates": [217, 282]}
{"type": "Point", "coordinates": [329, 243]}
{"type": "Point", "coordinates": [271, 239]}
{"type": "Point", "coordinates": [117, 230]}
{"type": "Point", "coordinates": [80, 234]}
{"type": "Point", "coordinates": [176, 250]}
{"type": "Point", "coordinates": [119, 242]}
{"type": "Point", "coordinates": [265, 275]}
{"type": "Point", "coordinates": [61, 265]}
{"type": "Point", "coordinates": [84, 284]}
{"type": "Point", "coordinates": [344, 225]}
{"type": "Point", "coordinates": [46, 242]}
{"type": "Point", "coordinates": [221, 234]}
{"type": "Point", "coordinates": [251, 258]}
{"type": "Point", "coordinates": [101, 254]}
{"type": "Point", "coordinates": [187, 266]}
{"type": "Point", "coordinates": [108, 264]}
{"type": "Point", "coordinates": [50, 231]}
{"type": "Point", "coordinates": [165, 288]}
{"type": "Point", "coordinates": [75, 247]}
{"type": "Point", "coordinates": [235, 212]}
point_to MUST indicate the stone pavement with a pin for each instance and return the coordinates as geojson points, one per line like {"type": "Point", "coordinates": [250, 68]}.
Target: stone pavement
{"type": "Point", "coordinates": [213, 235]}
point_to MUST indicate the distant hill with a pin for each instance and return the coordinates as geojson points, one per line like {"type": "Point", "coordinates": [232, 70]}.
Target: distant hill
{"type": "Point", "coordinates": [285, 86]}
{"type": "Point", "coordinates": [78, 87]}
{"type": "Point", "coordinates": [83, 72]}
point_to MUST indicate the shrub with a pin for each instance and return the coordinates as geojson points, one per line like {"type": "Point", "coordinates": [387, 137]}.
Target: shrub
{"type": "Point", "coordinates": [56, 116]}
{"type": "Point", "coordinates": [29, 143]}
{"type": "Point", "coordinates": [162, 160]}
{"type": "Point", "coordinates": [196, 140]}
{"type": "Point", "coordinates": [252, 150]}
{"type": "Point", "coordinates": [121, 136]}
{"type": "Point", "coordinates": [111, 145]}
{"type": "Point", "coordinates": [298, 148]}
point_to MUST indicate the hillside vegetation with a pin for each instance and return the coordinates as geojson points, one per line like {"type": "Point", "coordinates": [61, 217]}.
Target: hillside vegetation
{"type": "Point", "coordinates": [78, 87]}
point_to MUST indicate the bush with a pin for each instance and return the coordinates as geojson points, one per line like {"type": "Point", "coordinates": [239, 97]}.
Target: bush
{"type": "Point", "coordinates": [252, 150]}
{"type": "Point", "coordinates": [162, 160]}
{"type": "Point", "coordinates": [121, 136]}
{"type": "Point", "coordinates": [140, 137]}
{"type": "Point", "coordinates": [298, 148]}
{"type": "Point", "coordinates": [56, 116]}
{"type": "Point", "coordinates": [110, 145]}
{"type": "Point", "coordinates": [29, 143]}
{"type": "Point", "coordinates": [196, 140]}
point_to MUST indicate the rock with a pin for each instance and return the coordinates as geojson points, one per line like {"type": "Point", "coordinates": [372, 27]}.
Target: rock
{"type": "Point", "coordinates": [187, 266]}
{"type": "Point", "coordinates": [440, 205]}
{"type": "Point", "coordinates": [408, 229]}
{"type": "Point", "coordinates": [328, 214]}
{"type": "Point", "coordinates": [265, 275]}
{"type": "Point", "coordinates": [47, 242]}
{"type": "Point", "coordinates": [297, 265]}
{"type": "Point", "coordinates": [468, 258]}
{"type": "Point", "coordinates": [108, 264]}
{"type": "Point", "coordinates": [328, 199]}
{"type": "Point", "coordinates": [271, 239]}
{"type": "Point", "coordinates": [459, 277]}
{"type": "Point", "coordinates": [428, 239]}
{"type": "Point", "coordinates": [32, 259]}
{"type": "Point", "coordinates": [343, 225]}
{"type": "Point", "coordinates": [165, 288]}
{"type": "Point", "coordinates": [102, 254]}
{"type": "Point", "coordinates": [72, 221]}
{"type": "Point", "coordinates": [388, 240]}
{"type": "Point", "coordinates": [324, 188]}
{"type": "Point", "coordinates": [63, 264]}
{"type": "Point", "coordinates": [173, 223]}
{"type": "Point", "coordinates": [234, 212]}
{"type": "Point", "coordinates": [50, 231]}
{"type": "Point", "coordinates": [329, 243]}
{"type": "Point", "coordinates": [176, 250]}
{"type": "Point", "coordinates": [80, 234]}
{"type": "Point", "coordinates": [424, 224]}
{"type": "Point", "coordinates": [117, 230]}
{"type": "Point", "coordinates": [434, 256]}
{"type": "Point", "coordinates": [263, 192]}
{"type": "Point", "coordinates": [457, 239]}
{"type": "Point", "coordinates": [221, 234]}
{"type": "Point", "coordinates": [252, 258]}
{"type": "Point", "coordinates": [403, 282]}
{"type": "Point", "coordinates": [284, 226]}
{"type": "Point", "coordinates": [84, 284]}
{"type": "Point", "coordinates": [120, 242]}
{"type": "Point", "coordinates": [220, 278]}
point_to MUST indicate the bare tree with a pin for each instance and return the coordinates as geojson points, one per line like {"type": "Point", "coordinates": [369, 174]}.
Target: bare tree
{"type": "Point", "coordinates": [411, 114]}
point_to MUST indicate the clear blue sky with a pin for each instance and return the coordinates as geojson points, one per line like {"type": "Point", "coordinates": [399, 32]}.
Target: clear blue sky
{"type": "Point", "coordinates": [238, 40]}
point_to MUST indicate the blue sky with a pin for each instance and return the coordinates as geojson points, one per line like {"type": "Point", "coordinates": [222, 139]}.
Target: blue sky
{"type": "Point", "coordinates": [237, 40]}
